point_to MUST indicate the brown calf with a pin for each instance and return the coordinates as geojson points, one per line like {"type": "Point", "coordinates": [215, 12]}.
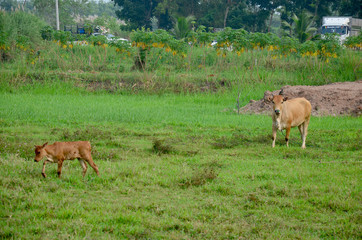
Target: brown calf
{"type": "Point", "coordinates": [60, 151]}
{"type": "Point", "coordinates": [288, 114]}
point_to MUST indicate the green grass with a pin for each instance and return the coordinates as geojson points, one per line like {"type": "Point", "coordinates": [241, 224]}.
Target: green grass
{"type": "Point", "coordinates": [174, 167]}
{"type": "Point", "coordinates": [175, 160]}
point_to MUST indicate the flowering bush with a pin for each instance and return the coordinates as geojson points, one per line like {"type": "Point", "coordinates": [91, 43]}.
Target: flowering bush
{"type": "Point", "coordinates": [354, 42]}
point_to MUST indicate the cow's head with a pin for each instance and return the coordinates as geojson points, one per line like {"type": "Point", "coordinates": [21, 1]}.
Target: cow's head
{"type": "Point", "coordinates": [277, 101]}
{"type": "Point", "coordinates": [40, 152]}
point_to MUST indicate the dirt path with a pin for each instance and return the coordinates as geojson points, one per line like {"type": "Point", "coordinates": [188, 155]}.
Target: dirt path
{"type": "Point", "coordinates": [344, 98]}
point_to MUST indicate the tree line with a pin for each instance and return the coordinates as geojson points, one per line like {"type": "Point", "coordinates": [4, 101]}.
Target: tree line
{"type": "Point", "coordinates": [70, 11]}
{"type": "Point", "coordinates": [251, 15]}
{"type": "Point", "coordinates": [179, 16]}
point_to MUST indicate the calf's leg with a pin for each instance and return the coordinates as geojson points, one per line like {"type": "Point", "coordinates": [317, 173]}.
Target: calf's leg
{"type": "Point", "coordinates": [89, 159]}
{"type": "Point", "coordinates": [43, 171]}
{"type": "Point", "coordinates": [60, 164]}
{"type": "Point", "coordinates": [84, 166]}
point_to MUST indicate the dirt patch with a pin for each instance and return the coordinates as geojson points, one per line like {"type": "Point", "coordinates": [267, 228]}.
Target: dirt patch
{"type": "Point", "coordinates": [343, 98]}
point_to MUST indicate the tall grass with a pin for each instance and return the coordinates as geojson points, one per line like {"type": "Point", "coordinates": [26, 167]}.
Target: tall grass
{"type": "Point", "coordinates": [200, 70]}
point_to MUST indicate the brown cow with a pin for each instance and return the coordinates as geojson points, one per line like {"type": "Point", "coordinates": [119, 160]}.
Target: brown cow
{"type": "Point", "coordinates": [288, 114]}
{"type": "Point", "coordinates": [60, 151]}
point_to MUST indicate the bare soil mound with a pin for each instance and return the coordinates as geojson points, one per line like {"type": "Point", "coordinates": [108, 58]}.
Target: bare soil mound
{"type": "Point", "coordinates": [343, 98]}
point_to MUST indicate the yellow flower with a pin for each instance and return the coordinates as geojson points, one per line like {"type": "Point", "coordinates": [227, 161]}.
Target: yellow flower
{"type": "Point", "coordinates": [70, 46]}
{"type": "Point", "coordinates": [64, 46]}
{"type": "Point", "coordinates": [168, 49]}
{"type": "Point", "coordinates": [173, 53]}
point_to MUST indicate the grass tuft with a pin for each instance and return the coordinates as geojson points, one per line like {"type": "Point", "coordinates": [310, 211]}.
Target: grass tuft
{"type": "Point", "coordinates": [230, 142]}
{"type": "Point", "coordinates": [160, 147]}
{"type": "Point", "coordinates": [200, 177]}
{"type": "Point", "coordinates": [87, 134]}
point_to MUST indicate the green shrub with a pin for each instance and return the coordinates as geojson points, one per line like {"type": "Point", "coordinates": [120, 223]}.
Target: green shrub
{"type": "Point", "coordinates": [62, 36]}
{"type": "Point", "coordinates": [47, 33]}
{"type": "Point", "coordinates": [19, 23]}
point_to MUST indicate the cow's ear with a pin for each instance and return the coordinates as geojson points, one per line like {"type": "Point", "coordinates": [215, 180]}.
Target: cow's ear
{"type": "Point", "coordinates": [45, 144]}
{"type": "Point", "coordinates": [285, 98]}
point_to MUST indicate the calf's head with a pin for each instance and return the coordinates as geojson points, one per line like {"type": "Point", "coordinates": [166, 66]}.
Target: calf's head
{"type": "Point", "coordinates": [277, 101]}
{"type": "Point", "coordinates": [40, 152]}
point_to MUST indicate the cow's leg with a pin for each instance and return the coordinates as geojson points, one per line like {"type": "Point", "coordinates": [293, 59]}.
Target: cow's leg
{"type": "Point", "coordinates": [300, 127]}
{"type": "Point", "coordinates": [43, 171]}
{"type": "Point", "coordinates": [305, 132]}
{"type": "Point", "coordinates": [302, 133]}
{"type": "Point", "coordinates": [287, 132]}
{"type": "Point", "coordinates": [88, 158]}
{"type": "Point", "coordinates": [274, 137]}
{"type": "Point", "coordinates": [84, 166]}
{"type": "Point", "coordinates": [60, 164]}
{"type": "Point", "coordinates": [301, 130]}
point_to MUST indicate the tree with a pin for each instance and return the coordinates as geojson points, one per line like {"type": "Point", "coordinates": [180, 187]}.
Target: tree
{"type": "Point", "coordinates": [302, 27]}
{"type": "Point", "coordinates": [183, 27]}
{"type": "Point", "coordinates": [351, 8]}
{"type": "Point", "coordinates": [136, 13]}
{"type": "Point", "coordinates": [271, 6]}
{"type": "Point", "coordinates": [8, 5]}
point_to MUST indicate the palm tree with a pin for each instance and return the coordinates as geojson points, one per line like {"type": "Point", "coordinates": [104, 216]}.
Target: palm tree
{"type": "Point", "coordinates": [302, 26]}
{"type": "Point", "coordinates": [183, 26]}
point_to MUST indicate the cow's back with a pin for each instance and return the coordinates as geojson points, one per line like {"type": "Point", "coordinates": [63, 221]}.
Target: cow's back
{"type": "Point", "coordinates": [71, 150]}
{"type": "Point", "coordinates": [297, 110]}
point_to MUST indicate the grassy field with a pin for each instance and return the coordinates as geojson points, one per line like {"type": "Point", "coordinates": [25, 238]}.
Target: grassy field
{"type": "Point", "coordinates": [175, 159]}
{"type": "Point", "coordinates": [173, 166]}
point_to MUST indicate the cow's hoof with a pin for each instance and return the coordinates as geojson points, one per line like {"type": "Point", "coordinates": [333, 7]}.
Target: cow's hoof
{"type": "Point", "coordinates": [44, 175]}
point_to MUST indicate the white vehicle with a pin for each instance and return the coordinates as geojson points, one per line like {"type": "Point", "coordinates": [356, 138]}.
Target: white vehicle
{"type": "Point", "coordinates": [112, 38]}
{"type": "Point", "coordinates": [343, 26]}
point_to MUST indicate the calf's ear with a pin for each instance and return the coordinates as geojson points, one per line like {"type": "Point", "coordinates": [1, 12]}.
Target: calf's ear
{"type": "Point", "coordinates": [269, 98]}
{"type": "Point", "coordinates": [45, 144]}
{"type": "Point", "coordinates": [285, 98]}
